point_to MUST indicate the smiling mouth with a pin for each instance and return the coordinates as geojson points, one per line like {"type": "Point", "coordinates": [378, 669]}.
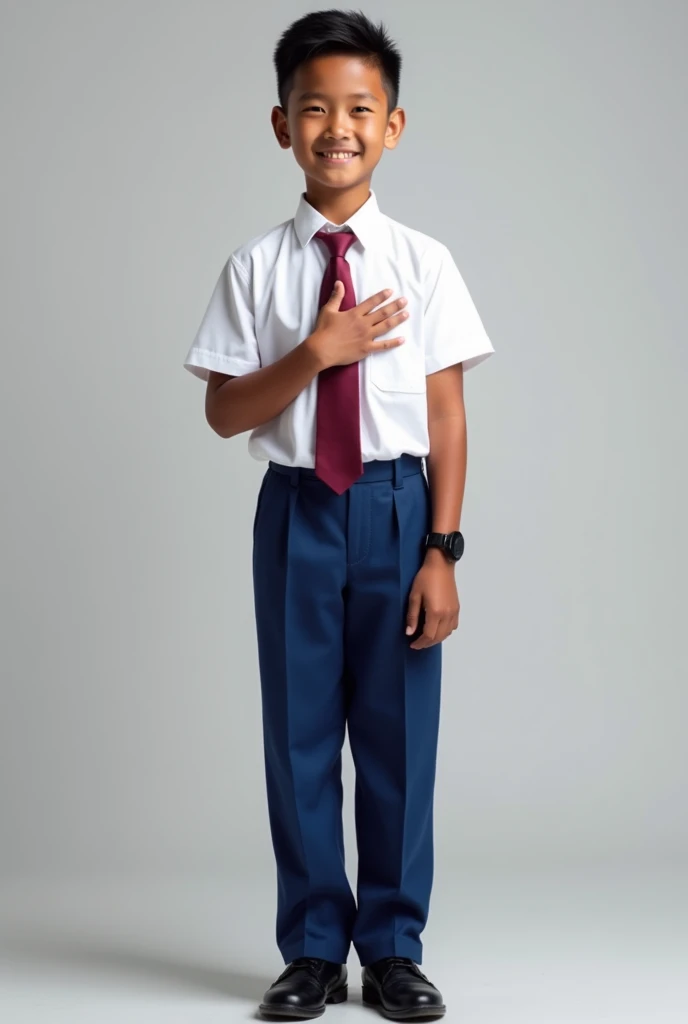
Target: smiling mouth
{"type": "Point", "coordinates": [338, 156]}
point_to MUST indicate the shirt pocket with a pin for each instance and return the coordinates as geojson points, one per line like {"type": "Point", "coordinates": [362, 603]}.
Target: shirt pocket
{"type": "Point", "coordinates": [401, 368]}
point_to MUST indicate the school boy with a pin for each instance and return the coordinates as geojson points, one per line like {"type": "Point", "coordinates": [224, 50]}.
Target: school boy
{"type": "Point", "coordinates": [340, 339]}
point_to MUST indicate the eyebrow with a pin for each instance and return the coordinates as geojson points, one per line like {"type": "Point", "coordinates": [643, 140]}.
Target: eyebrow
{"type": "Point", "coordinates": [352, 96]}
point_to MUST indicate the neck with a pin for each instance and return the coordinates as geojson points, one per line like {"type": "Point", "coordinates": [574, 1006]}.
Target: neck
{"type": "Point", "coordinates": [337, 205]}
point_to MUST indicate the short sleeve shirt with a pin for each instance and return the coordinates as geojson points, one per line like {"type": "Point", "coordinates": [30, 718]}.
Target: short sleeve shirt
{"type": "Point", "coordinates": [265, 302]}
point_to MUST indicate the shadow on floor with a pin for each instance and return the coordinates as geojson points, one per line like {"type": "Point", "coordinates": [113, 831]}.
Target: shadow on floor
{"type": "Point", "coordinates": [111, 961]}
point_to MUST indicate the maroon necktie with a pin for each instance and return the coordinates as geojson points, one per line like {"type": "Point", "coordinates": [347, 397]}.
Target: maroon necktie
{"type": "Point", "coordinates": [338, 420]}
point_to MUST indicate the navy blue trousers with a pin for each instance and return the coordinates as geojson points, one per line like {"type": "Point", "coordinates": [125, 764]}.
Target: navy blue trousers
{"type": "Point", "coordinates": [332, 576]}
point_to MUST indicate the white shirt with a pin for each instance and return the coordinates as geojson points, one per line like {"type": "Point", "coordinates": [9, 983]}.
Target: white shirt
{"type": "Point", "coordinates": [265, 303]}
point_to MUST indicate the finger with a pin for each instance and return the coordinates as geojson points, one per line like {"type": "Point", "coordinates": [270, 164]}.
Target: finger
{"type": "Point", "coordinates": [432, 625]}
{"type": "Point", "coordinates": [376, 316]}
{"type": "Point", "coordinates": [335, 299]}
{"type": "Point", "coordinates": [412, 613]}
{"type": "Point", "coordinates": [427, 638]}
{"type": "Point", "coordinates": [373, 301]}
{"type": "Point", "coordinates": [382, 346]}
{"type": "Point", "coordinates": [450, 623]}
{"type": "Point", "coordinates": [389, 323]}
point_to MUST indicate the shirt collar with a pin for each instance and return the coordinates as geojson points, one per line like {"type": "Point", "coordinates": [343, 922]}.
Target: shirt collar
{"type": "Point", "coordinates": [365, 223]}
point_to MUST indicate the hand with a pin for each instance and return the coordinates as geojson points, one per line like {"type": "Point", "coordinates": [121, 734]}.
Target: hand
{"type": "Point", "coordinates": [343, 337]}
{"type": "Point", "coordinates": [434, 590]}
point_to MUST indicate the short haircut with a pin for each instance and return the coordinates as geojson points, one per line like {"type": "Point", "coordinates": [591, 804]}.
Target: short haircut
{"type": "Point", "coordinates": [321, 33]}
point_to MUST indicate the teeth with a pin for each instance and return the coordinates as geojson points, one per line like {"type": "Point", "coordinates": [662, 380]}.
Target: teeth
{"type": "Point", "coordinates": [339, 156]}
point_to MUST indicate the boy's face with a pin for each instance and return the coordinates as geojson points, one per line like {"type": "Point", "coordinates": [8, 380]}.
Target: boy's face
{"type": "Point", "coordinates": [337, 103]}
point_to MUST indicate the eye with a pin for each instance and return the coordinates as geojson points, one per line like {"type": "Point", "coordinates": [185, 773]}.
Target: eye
{"type": "Point", "coordinates": [306, 109]}
{"type": "Point", "coordinates": [364, 108]}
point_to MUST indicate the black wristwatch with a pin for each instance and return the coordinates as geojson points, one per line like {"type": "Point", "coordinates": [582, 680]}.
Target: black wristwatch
{"type": "Point", "coordinates": [450, 543]}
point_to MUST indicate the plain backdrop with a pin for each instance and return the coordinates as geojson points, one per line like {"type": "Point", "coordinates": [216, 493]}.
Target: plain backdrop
{"type": "Point", "coordinates": [546, 147]}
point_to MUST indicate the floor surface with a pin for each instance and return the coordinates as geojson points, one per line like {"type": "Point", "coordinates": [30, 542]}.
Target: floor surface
{"type": "Point", "coordinates": [519, 950]}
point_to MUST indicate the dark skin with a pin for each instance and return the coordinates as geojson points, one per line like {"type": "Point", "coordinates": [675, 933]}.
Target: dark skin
{"type": "Point", "coordinates": [339, 102]}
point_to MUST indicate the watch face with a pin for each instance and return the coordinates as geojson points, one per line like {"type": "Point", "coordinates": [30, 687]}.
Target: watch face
{"type": "Point", "coordinates": [456, 545]}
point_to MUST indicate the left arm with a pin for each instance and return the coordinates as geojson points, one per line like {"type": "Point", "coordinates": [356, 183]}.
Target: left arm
{"type": "Point", "coordinates": [434, 588]}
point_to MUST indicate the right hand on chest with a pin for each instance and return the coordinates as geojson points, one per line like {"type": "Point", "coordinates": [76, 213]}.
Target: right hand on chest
{"type": "Point", "coordinates": [341, 337]}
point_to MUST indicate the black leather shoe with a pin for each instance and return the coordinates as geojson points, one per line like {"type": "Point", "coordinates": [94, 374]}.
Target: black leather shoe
{"type": "Point", "coordinates": [303, 988]}
{"type": "Point", "coordinates": [396, 987]}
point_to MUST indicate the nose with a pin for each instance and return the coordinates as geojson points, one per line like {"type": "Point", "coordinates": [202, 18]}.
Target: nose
{"type": "Point", "coordinates": [338, 126]}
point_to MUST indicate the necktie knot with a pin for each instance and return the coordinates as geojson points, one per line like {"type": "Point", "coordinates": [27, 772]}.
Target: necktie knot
{"type": "Point", "coordinates": [338, 242]}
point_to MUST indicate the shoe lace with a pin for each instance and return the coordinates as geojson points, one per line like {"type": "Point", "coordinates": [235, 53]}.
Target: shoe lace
{"type": "Point", "coordinates": [302, 963]}
{"type": "Point", "coordinates": [397, 963]}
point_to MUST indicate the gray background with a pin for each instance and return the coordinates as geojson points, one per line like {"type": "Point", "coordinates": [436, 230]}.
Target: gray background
{"type": "Point", "coordinates": [546, 146]}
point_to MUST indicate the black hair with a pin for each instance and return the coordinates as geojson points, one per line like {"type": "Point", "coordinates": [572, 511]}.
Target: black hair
{"type": "Point", "coordinates": [324, 32]}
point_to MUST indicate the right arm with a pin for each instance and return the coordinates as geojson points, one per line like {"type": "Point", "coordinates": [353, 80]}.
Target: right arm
{"type": "Point", "coordinates": [236, 404]}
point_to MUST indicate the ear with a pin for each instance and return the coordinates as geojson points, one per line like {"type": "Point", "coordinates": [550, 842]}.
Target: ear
{"type": "Point", "coordinates": [396, 123]}
{"type": "Point", "coordinates": [280, 127]}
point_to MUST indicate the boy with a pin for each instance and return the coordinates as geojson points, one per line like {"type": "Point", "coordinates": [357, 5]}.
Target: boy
{"type": "Point", "coordinates": [340, 339]}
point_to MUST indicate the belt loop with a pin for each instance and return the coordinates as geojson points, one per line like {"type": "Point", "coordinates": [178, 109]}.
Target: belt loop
{"type": "Point", "coordinates": [294, 476]}
{"type": "Point", "coordinates": [398, 475]}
